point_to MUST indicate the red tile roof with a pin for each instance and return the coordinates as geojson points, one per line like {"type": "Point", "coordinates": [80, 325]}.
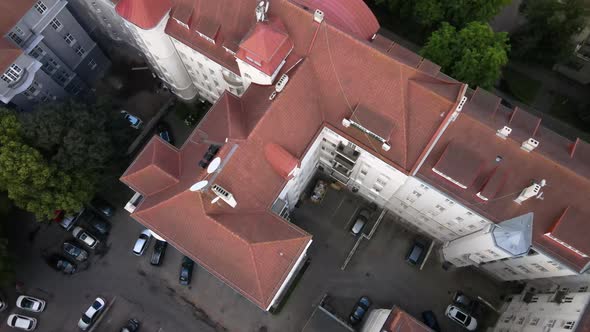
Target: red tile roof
{"type": "Point", "coordinates": [8, 54]}
{"type": "Point", "coordinates": [567, 177]}
{"type": "Point", "coordinates": [352, 16]}
{"type": "Point", "coordinates": [10, 13]}
{"type": "Point", "coordinates": [323, 88]}
{"type": "Point", "coordinates": [146, 14]}
{"type": "Point", "coordinates": [282, 161]}
{"type": "Point", "coordinates": [568, 225]}
{"type": "Point", "coordinates": [265, 46]}
{"type": "Point", "coordinates": [400, 321]}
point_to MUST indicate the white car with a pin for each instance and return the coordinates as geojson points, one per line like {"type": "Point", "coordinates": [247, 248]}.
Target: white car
{"type": "Point", "coordinates": [133, 202]}
{"type": "Point", "coordinates": [142, 242]}
{"type": "Point", "coordinates": [82, 235]}
{"type": "Point", "coordinates": [30, 303]}
{"type": "Point", "coordinates": [460, 317]}
{"type": "Point", "coordinates": [92, 314]}
{"type": "Point", "coordinates": [22, 322]}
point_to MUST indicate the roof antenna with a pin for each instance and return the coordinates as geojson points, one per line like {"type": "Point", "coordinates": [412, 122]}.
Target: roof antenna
{"type": "Point", "coordinates": [261, 10]}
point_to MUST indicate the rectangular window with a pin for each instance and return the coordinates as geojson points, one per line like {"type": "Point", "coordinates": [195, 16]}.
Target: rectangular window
{"type": "Point", "coordinates": [92, 64]}
{"type": "Point", "coordinates": [12, 73]}
{"type": "Point", "coordinates": [70, 40]}
{"type": "Point", "coordinates": [40, 7]}
{"type": "Point", "coordinates": [569, 325]}
{"type": "Point", "coordinates": [32, 91]}
{"type": "Point", "coordinates": [62, 77]}
{"type": "Point", "coordinates": [37, 52]}
{"type": "Point", "coordinates": [80, 50]}
{"type": "Point", "coordinates": [50, 66]}
{"type": "Point", "coordinates": [56, 24]}
{"type": "Point", "coordinates": [15, 37]}
{"type": "Point", "coordinates": [19, 31]}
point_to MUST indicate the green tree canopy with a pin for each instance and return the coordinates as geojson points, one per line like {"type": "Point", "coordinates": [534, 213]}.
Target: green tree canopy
{"type": "Point", "coordinates": [430, 13]}
{"type": "Point", "coordinates": [474, 54]}
{"type": "Point", "coordinates": [547, 35]}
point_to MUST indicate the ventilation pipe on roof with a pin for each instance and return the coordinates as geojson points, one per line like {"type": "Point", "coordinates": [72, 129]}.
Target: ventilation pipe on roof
{"type": "Point", "coordinates": [529, 145]}
{"type": "Point", "coordinates": [318, 16]}
{"type": "Point", "coordinates": [530, 191]}
{"type": "Point", "coordinates": [504, 132]}
{"type": "Point", "coordinates": [224, 195]}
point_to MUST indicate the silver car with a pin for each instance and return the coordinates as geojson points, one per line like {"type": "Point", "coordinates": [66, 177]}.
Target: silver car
{"type": "Point", "coordinates": [30, 303]}
{"type": "Point", "coordinates": [75, 252]}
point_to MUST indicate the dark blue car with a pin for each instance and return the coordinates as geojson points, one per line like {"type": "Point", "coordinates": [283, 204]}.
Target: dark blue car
{"type": "Point", "coordinates": [429, 319]}
{"type": "Point", "coordinates": [360, 309]}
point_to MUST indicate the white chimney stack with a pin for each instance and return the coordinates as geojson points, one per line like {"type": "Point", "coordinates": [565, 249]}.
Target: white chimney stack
{"type": "Point", "coordinates": [530, 191]}
{"type": "Point", "coordinates": [318, 16]}
{"type": "Point", "coordinates": [529, 145]}
{"type": "Point", "coordinates": [504, 132]}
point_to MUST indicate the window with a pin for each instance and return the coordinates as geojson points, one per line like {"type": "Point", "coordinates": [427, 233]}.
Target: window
{"type": "Point", "coordinates": [92, 64]}
{"type": "Point", "coordinates": [32, 91]}
{"type": "Point", "coordinates": [15, 37]}
{"type": "Point", "coordinates": [37, 52]}
{"type": "Point", "coordinates": [80, 50]}
{"type": "Point", "coordinates": [211, 71]}
{"type": "Point", "coordinates": [50, 66]}
{"type": "Point", "coordinates": [19, 31]}
{"type": "Point", "coordinates": [534, 321]}
{"type": "Point", "coordinates": [568, 299]}
{"type": "Point", "coordinates": [12, 73]}
{"type": "Point", "coordinates": [70, 40]}
{"type": "Point", "coordinates": [40, 7]}
{"type": "Point", "coordinates": [247, 76]}
{"type": "Point", "coordinates": [569, 325]}
{"type": "Point", "coordinates": [56, 24]}
{"type": "Point", "coordinates": [62, 77]}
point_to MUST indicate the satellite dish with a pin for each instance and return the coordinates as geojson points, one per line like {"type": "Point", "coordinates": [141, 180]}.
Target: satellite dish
{"type": "Point", "coordinates": [214, 165]}
{"type": "Point", "coordinates": [199, 185]}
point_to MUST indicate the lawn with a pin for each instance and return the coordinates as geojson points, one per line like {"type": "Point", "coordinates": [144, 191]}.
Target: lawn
{"type": "Point", "coordinates": [521, 86]}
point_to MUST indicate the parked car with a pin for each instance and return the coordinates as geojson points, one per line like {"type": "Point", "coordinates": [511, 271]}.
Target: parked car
{"type": "Point", "coordinates": [3, 305]}
{"type": "Point", "coordinates": [134, 121]}
{"type": "Point", "coordinates": [164, 132]}
{"type": "Point", "coordinates": [103, 207]}
{"type": "Point", "coordinates": [362, 218]}
{"type": "Point", "coordinates": [98, 224]}
{"type": "Point", "coordinates": [186, 271]}
{"type": "Point", "coordinates": [132, 326]}
{"type": "Point", "coordinates": [142, 242]}
{"type": "Point", "coordinates": [22, 322]}
{"type": "Point", "coordinates": [159, 251]}
{"type": "Point", "coordinates": [416, 253]}
{"type": "Point", "coordinates": [360, 309]}
{"type": "Point", "coordinates": [92, 314]}
{"type": "Point", "coordinates": [30, 303]}
{"type": "Point", "coordinates": [67, 222]}
{"type": "Point", "coordinates": [85, 237]}
{"type": "Point", "coordinates": [75, 252]}
{"type": "Point", "coordinates": [60, 263]}
{"type": "Point", "coordinates": [463, 301]}
{"type": "Point", "coordinates": [430, 320]}
{"type": "Point", "coordinates": [460, 317]}
{"type": "Point", "coordinates": [133, 202]}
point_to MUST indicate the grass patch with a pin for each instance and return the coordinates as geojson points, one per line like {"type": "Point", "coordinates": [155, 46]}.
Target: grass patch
{"type": "Point", "coordinates": [521, 86]}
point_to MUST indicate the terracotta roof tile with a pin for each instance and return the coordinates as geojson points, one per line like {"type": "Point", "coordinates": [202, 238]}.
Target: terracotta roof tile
{"type": "Point", "coordinates": [458, 164]}
{"type": "Point", "coordinates": [146, 14]}
{"type": "Point", "coordinates": [400, 321]}
{"type": "Point", "coordinates": [282, 161]}
{"type": "Point", "coordinates": [570, 223]}
{"type": "Point", "coordinates": [476, 130]}
{"type": "Point", "coordinates": [11, 12]}
{"type": "Point", "coordinates": [8, 54]}
{"type": "Point", "coordinates": [352, 16]}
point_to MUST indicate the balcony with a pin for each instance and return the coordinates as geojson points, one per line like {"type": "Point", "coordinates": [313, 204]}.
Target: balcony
{"type": "Point", "coordinates": [20, 81]}
{"type": "Point", "coordinates": [231, 79]}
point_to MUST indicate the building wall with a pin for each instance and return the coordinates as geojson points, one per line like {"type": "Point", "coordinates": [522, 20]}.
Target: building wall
{"type": "Point", "coordinates": [210, 78]}
{"type": "Point", "coordinates": [160, 52]}
{"type": "Point", "coordinates": [532, 266]}
{"type": "Point", "coordinates": [101, 14]}
{"type": "Point", "coordinates": [475, 248]}
{"type": "Point", "coordinates": [72, 66]}
{"type": "Point", "coordinates": [541, 313]}
{"type": "Point", "coordinates": [375, 320]}
{"type": "Point", "coordinates": [28, 68]}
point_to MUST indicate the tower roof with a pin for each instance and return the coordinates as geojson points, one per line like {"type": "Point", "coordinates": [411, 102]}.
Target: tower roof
{"type": "Point", "coordinates": [146, 14]}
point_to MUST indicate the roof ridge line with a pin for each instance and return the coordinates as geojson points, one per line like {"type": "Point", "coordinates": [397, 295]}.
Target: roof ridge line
{"type": "Point", "coordinates": [274, 241]}
{"type": "Point", "coordinates": [417, 82]}
{"type": "Point", "coordinates": [258, 283]}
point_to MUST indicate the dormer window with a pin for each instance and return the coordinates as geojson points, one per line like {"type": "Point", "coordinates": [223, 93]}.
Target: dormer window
{"type": "Point", "coordinates": [12, 74]}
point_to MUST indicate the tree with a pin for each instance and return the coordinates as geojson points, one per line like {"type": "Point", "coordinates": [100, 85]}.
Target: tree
{"type": "Point", "coordinates": [76, 136]}
{"type": "Point", "coordinates": [547, 35]}
{"type": "Point", "coordinates": [475, 54]}
{"type": "Point", "coordinates": [430, 13]}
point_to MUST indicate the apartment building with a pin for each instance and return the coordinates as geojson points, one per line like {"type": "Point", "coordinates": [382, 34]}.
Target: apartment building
{"type": "Point", "coordinates": [46, 54]}
{"type": "Point", "coordinates": [560, 310]}
{"type": "Point", "coordinates": [306, 86]}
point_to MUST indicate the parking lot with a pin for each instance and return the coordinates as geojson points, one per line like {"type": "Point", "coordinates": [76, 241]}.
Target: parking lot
{"type": "Point", "coordinates": [378, 268]}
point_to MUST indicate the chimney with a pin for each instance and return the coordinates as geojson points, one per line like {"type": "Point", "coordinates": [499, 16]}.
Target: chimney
{"type": "Point", "coordinates": [318, 16]}
{"type": "Point", "coordinates": [530, 191]}
{"type": "Point", "coordinates": [504, 132]}
{"type": "Point", "coordinates": [529, 145]}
